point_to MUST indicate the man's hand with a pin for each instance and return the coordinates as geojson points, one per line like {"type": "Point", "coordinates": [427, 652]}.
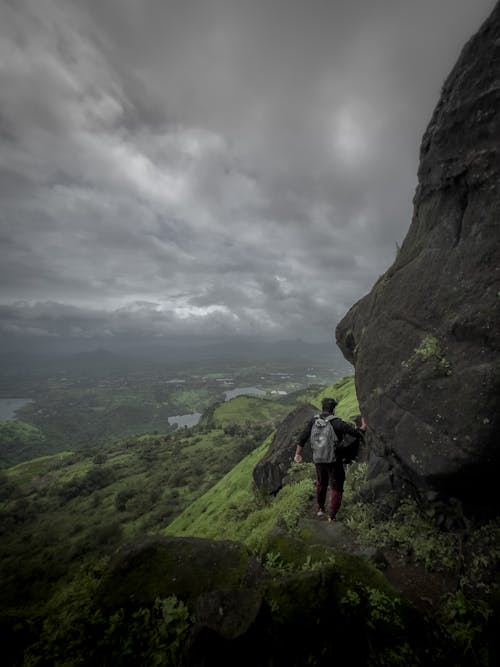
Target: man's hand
{"type": "Point", "coordinates": [298, 458]}
{"type": "Point", "coordinates": [364, 425]}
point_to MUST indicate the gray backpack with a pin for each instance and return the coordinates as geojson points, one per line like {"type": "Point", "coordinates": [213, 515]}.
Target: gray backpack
{"type": "Point", "coordinates": [323, 439]}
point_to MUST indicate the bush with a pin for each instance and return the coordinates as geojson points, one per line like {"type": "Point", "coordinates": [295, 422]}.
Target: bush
{"type": "Point", "coordinates": [95, 479]}
{"type": "Point", "coordinates": [122, 497]}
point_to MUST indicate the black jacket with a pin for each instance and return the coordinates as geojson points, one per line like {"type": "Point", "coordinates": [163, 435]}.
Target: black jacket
{"type": "Point", "coordinates": [340, 427]}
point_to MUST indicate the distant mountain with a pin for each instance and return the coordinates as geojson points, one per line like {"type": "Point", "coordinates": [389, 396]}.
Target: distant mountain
{"type": "Point", "coordinates": [118, 354]}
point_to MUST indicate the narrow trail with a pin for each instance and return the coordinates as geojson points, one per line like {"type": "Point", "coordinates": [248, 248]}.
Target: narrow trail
{"type": "Point", "coordinates": [423, 588]}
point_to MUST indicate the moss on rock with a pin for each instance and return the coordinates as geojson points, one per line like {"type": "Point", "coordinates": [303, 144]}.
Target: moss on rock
{"type": "Point", "coordinates": [157, 567]}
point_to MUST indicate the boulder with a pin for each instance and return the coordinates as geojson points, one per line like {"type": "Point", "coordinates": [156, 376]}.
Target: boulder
{"type": "Point", "coordinates": [157, 567]}
{"type": "Point", "coordinates": [271, 470]}
{"type": "Point", "coordinates": [425, 341]}
{"type": "Point", "coordinates": [314, 607]}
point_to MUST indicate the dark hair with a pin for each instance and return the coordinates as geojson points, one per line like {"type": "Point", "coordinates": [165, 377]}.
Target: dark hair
{"type": "Point", "coordinates": [328, 404]}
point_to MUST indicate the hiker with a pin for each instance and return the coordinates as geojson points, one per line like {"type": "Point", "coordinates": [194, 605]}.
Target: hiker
{"type": "Point", "coordinates": [325, 432]}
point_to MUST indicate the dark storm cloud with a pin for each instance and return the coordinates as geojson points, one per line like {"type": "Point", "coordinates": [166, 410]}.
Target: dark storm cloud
{"type": "Point", "coordinates": [215, 166]}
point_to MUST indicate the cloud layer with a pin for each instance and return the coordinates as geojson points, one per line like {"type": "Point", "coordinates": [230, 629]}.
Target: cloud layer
{"type": "Point", "coordinates": [210, 167]}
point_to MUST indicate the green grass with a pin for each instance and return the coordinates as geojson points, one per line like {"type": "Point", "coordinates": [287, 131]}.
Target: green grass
{"type": "Point", "coordinates": [243, 409]}
{"type": "Point", "coordinates": [234, 509]}
{"type": "Point", "coordinates": [344, 392]}
{"type": "Point", "coordinates": [27, 471]}
{"type": "Point", "coordinates": [193, 400]}
{"type": "Point", "coordinates": [75, 507]}
{"type": "Point", "coordinates": [20, 441]}
{"type": "Point", "coordinates": [72, 507]}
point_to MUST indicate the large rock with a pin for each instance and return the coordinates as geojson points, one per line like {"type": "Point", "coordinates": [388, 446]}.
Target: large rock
{"type": "Point", "coordinates": [271, 470]}
{"type": "Point", "coordinates": [156, 567]}
{"type": "Point", "coordinates": [314, 606]}
{"type": "Point", "coordinates": [425, 341]}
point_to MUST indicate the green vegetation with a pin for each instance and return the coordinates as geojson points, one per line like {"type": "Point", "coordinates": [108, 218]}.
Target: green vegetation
{"type": "Point", "coordinates": [89, 417]}
{"type": "Point", "coordinates": [76, 632]}
{"type": "Point", "coordinates": [344, 392]}
{"type": "Point", "coordinates": [192, 400]}
{"type": "Point", "coordinates": [469, 551]}
{"type": "Point", "coordinates": [429, 349]}
{"type": "Point", "coordinates": [247, 409]}
{"type": "Point", "coordinates": [19, 440]}
{"type": "Point", "coordinates": [234, 509]}
{"type": "Point", "coordinates": [74, 509]}
{"type": "Point", "coordinates": [97, 404]}
{"type": "Point", "coordinates": [407, 531]}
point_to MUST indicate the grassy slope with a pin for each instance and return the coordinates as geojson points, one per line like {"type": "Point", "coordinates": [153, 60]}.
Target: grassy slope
{"type": "Point", "coordinates": [233, 509]}
{"type": "Point", "coordinates": [19, 440]}
{"type": "Point", "coordinates": [71, 507]}
{"type": "Point", "coordinates": [248, 408]}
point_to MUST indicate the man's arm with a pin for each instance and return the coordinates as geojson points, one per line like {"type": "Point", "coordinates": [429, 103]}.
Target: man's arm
{"type": "Point", "coordinates": [342, 427]}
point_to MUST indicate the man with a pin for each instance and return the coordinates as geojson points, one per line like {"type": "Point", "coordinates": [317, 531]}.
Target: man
{"type": "Point", "coordinates": [323, 432]}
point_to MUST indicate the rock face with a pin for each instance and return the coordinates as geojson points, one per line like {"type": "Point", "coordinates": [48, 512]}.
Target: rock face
{"type": "Point", "coordinates": [238, 612]}
{"type": "Point", "coordinates": [425, 341]}
{"type": "Point", "coordinates": [156, 567]}
{"type": "Point", "coordinates": [271, 470]}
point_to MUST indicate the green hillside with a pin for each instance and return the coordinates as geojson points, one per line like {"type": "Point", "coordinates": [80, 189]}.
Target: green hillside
{"type": "Point", "coordinates": [72, 507]}
{"type": "Point", "coordinates": [243, 409]}
{"type": "Point", "coordinates": [234, 509]}
{"type": "Point", "coordinates": [62, 516]}
{"type": "Point", "coordinates": [19, 440]}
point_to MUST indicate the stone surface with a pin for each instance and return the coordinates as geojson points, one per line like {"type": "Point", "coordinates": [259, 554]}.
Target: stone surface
{"type": "Point", "coordinates": [425, 341]}
{"type": "Point", "coordinates": [271, 470]}
{"type": "Point", "coordinates": [157, 567]}
{"type": "Point", "coordinates": [339, 537]}
{"type": "Point", "coordinates": [312, 607]}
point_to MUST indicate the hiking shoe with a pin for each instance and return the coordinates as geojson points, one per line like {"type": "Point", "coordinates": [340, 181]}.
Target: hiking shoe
{"type": "Point", "coordinates": [331, 519]}
{"type": "Point", "coordinates": [321, 513]}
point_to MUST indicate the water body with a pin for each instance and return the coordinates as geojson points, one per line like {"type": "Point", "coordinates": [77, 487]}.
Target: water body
{"type": "Point", "coordinates": [185, 420]}
{"type": "Point", "coordinates": [244, 391]}
{"type": "Point", "coordinates": [8, 406]}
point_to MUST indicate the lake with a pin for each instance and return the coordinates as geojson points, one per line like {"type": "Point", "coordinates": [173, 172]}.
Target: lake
{"type": "Point", "coordinates": [193, 418]}
{"type": "Point", "coordinates": [185, 420]}
{"type": "Point", "coordinates": [244, 391]}
{"type": "Point", "coordinates": [8, 406]}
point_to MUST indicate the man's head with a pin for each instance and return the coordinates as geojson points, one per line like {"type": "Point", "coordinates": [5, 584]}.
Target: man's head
{"type": "Point", "coordinates": [328, 405]}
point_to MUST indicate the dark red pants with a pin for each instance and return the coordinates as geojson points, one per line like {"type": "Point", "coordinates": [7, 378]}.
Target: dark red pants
{"type": "Point", "coordinates": [333, 475]}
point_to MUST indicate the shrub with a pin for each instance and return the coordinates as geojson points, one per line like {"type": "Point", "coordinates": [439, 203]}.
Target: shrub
{"type": "Point", "coordinates": [95, 479]}
{"type": "Point", "coordinates": [122, 497]}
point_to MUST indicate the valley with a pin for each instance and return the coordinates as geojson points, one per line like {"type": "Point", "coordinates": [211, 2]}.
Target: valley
{"type": "Point", "coordinates": [75, 406]}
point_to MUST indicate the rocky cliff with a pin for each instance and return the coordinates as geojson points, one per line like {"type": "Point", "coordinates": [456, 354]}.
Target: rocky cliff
{"type": "Point", "coordinates": [272, 469]}
{"type": "Point", "coordinates": [425, 341]}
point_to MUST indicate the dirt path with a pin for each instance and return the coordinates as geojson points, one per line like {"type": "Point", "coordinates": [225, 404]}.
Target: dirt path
{"type": "Point", "coordinates": [422, 587]}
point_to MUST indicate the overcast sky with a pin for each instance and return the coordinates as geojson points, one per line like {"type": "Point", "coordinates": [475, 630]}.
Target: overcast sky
{"type": "Point", "coordinates": [210, 166]}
